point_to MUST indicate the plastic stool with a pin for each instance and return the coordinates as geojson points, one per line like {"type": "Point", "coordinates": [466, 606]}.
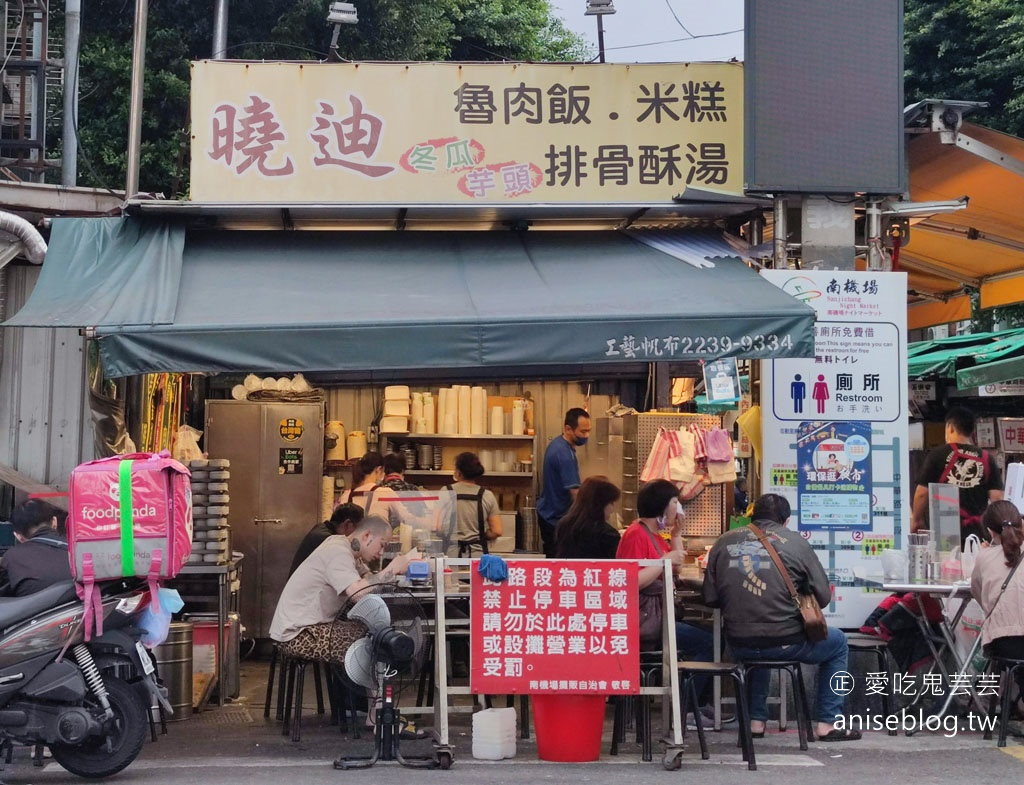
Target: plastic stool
{"type": "Point", "coordinates": [688, 670]}
{"type": "Point", "coordinates": [803, 712]}
{"type": "Point", "coordinates": [869, 644]}
{"type": "Point", "coordinates": [650, 675]}
{"type": "Point", "coordinates": [1007, 669]}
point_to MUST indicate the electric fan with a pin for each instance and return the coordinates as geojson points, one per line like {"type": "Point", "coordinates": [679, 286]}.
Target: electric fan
{"type": "Point", "coordinates": [382, 664]}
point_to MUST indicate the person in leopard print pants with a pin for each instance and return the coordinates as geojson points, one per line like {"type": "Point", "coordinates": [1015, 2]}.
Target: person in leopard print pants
{"type": "Point", "coordinates": [306, 622]}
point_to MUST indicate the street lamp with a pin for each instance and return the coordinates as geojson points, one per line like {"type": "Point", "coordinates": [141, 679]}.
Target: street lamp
{"type": "Point", "coordinates": [339, 14]}
{"type": "Point", "coordinates": [599, 8]}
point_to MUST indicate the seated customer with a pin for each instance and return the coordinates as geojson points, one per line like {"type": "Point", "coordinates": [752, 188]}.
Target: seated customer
{"type": "Point", "coordinates": [305, 617]}
{"type": "Point", "coordinates": [586, 532]}
{"type": "Point", "coordinates": [761, 620]}
{"type": "Point", "coordinates": [659, 509]}
{"type": "Point", "coordinates": [1002, 633]}
{"type": "Point", "coordinates": [40, 558]}
{"type": "Point", "coordinates": [343, 521]}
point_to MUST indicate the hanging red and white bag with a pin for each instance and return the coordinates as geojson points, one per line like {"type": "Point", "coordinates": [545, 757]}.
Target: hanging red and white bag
{"type": "Point", "coordinates": [129, 516]}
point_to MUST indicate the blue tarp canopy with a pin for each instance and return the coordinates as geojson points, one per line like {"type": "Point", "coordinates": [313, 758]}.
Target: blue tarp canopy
{"type": "Point", "coordinates": [165, 299]}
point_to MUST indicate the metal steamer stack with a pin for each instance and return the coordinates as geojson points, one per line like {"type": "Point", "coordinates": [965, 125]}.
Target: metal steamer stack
{"type": "Point", "coordinates": [211, 538]}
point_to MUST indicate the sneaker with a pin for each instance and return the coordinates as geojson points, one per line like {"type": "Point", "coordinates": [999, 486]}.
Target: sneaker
{"type": "Point", "coordinates": [708, 713]}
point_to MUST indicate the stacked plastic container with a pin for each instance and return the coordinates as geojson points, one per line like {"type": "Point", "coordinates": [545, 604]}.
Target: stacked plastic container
{"type": "Point", "coordinates": [211, 538]}
{"type": "Point", "coordinates": [494, 734]}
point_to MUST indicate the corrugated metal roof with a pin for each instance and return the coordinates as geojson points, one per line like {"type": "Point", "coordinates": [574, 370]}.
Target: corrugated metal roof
{"type": "Point", "coordinates": [698, 249]}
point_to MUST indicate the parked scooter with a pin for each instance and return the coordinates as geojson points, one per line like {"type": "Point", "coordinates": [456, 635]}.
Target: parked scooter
{"type": "Point", "coordinates": [89, 702]}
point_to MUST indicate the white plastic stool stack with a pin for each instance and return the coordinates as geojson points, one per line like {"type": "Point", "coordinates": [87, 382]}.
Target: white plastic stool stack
{"type": "Point", "coordinates": [494, 734]}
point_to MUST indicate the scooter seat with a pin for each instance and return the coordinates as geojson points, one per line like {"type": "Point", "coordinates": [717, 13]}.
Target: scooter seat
{"type": "Point", "coordinates": [17, 609]}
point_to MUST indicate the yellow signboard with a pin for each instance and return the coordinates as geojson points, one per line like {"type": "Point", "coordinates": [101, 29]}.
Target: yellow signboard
{"type": "Point", "coordinates": [449, 133]}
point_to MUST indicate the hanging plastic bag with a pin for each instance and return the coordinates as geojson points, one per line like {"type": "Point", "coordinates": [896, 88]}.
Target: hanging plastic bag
{"type": "Point", "coordinates": [665, 447]}
{"type": "Point", "coordinates": [683, 466]}
{"type": "Point", "coordinates": [156, 625]}
{"type": "Point", "coordinates": [185, 445]}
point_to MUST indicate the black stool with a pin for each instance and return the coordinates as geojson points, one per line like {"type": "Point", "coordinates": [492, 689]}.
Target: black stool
{"type": "Point", "coordinates": [858, 642]}
{"type": "Point", "coordinates": [650, 675]}
{"type": "Point", "coordinates": [296, 668]}
{"type": "Point", "coordinates": [1007, 669]}
{"type": "Point", "coordinates": [803, 712]}
{"type": "Point", "coordinates": [688, 670]}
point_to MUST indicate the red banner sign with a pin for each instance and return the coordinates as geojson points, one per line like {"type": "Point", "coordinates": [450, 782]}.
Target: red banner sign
{"type": "Point", "coordinates": [556, 626]}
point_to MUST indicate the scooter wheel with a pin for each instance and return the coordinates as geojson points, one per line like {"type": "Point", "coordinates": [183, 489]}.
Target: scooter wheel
{"type": "Point", "coordinates": [126, 733]}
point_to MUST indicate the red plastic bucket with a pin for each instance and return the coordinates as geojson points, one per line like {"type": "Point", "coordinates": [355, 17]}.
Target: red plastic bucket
{"type": "Point", "coordinates": [569, 727]}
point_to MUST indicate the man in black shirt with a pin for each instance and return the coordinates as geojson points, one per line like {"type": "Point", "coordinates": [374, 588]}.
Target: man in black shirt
{"type": "Point", "coordinates": [970, 469]}
{"type": "Point", "coordinates": [40, 558]}
{"type": "Point", "coordinates": [344, 521]}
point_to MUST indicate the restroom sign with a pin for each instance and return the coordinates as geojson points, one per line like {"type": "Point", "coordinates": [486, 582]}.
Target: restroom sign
{"type": "Point", "coordinates": [850, 377]}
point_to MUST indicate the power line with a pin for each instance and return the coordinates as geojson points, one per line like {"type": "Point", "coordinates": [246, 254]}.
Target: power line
{"type": "Point", "coordinates": [678, 21]}
{"type": "Point", "coordinates": [675, 40]}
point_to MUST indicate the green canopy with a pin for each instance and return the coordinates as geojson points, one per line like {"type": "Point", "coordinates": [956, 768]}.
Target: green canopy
{"type": "Point", "coordinates": [167, 298]}
{"type": "Point", "coordinates": [974, 360]}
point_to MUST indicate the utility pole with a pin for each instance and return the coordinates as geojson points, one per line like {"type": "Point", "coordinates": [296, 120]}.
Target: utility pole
{"type": "Point", "coordinates": [135, 104]}
{"type": "Point", "coordinates": [72, 41]}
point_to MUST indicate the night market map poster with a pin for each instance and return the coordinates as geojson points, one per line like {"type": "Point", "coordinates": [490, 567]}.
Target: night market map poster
{"type": "Point", "coordinates": [834, 475]}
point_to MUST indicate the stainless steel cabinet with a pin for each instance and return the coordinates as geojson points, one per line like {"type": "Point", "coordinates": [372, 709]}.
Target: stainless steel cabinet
{"type": "Point", "coordinates": [276, 452]}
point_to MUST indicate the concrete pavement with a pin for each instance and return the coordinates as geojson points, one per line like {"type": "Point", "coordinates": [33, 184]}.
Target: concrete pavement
{"type": "Point", "coordinates": [235, 745]}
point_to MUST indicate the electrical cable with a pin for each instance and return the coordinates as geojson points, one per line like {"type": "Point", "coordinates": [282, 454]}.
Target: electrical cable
{"type": "Point", "coordinates": [672, 11]}
{"type": "Point", "coordinates": [21, 22]}
{"type": "Point", "coordinates": [78, 136]}
{"type": "Point", "coordinates": [674, 40]}
{"type": "Point", "coordinates": [323, 55]}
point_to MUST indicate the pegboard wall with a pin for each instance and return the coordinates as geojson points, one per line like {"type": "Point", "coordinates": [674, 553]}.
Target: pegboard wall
{"type": "Point", "coordinates": [705, 515]}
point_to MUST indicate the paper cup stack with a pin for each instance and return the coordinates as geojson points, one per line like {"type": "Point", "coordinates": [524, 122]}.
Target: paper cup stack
{"type": "Point", "coordinates": [423, 413]}
{"type": "Point", "coordinates": [397, 409]}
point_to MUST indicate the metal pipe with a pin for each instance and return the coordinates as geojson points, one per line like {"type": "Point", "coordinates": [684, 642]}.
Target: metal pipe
{"type": "Point", "coordinates": [779, 232]}
{"type": "Point", "coordinates": [72, 37]}
{"type": "Point", "coordinates": [135, 105]}
{"type": "Point", "coordinates": [220, 29]}
{"type": "Point", "coordinates": [873, 226]}
{"type": "Point", "coordinates": [35, 245]}
{"type": "Point", "coordinates": [600, 37]}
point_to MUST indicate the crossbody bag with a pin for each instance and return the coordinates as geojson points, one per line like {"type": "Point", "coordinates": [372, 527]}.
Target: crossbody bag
{"type": "Point", "coordinates": [815, 625]}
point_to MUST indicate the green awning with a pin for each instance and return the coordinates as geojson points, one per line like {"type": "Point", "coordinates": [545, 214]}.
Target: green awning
{"type": "Point", "coordinates": [278, 301]}
{"type": "Point", "coordinates": [974, 359]}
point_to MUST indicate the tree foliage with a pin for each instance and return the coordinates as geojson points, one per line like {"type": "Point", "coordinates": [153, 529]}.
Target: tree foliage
{"type": "Point", "coordinates": [968, 50]}
{"type": "Point", "coordinates": [181, 30]}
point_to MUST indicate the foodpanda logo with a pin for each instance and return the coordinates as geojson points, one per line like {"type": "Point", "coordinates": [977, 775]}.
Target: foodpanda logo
{"type": "Point", "coordinates": [92, 514]}
{"type": "Point", "coordinates": [114, 491]}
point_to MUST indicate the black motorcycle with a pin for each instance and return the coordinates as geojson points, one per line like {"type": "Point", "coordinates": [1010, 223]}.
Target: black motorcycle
{"type": "Point", "coordinates": [89, 702]}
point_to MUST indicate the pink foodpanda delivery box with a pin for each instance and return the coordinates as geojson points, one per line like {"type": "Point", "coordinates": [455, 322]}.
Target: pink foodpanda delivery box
{"type": "Point", "coordinates": [129, 516]}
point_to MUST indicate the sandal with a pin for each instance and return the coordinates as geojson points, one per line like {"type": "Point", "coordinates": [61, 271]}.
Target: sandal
{"type": "Point", "coordinates": [841, 735]}
{"type": "Point", "coordinates": [409, 731]}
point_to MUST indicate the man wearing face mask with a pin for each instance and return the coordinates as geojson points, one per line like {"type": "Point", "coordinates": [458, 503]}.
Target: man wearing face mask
{"type": "Point", "coordinates": [561, 475]}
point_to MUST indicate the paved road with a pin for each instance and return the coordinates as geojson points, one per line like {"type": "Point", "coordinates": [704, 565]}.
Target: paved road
{"type": "Point", "coordinates": [255, 754]}
{"type": "Point", "coordinates": [236, 746]}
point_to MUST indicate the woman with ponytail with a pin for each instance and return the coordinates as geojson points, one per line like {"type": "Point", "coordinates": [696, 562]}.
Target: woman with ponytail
{"type": "Point", "coordinates": [1002, 634]}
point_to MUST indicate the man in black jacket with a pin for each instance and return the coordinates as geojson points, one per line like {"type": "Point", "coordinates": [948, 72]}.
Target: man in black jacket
{"type": "Point", "coordinates": [761, 619]}
{"type": "Point", "coordinates": [40, 558]}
